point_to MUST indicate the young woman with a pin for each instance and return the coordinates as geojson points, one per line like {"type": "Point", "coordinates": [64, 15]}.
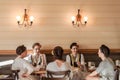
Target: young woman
{"type": "Point", "coordinates": [58, 64]}
{"type": "Point", "coordinates": [106, 68]}
{"type": "Point", "coordinates": [75, 59]}
{"type": "Point", "coordinates": [24, 66]}
{"type": "Point", "coordinates": [36, 58]}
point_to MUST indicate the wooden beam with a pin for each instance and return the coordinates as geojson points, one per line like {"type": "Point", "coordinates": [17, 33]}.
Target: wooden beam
{"type": "Point", "coordinates": [47, 51]}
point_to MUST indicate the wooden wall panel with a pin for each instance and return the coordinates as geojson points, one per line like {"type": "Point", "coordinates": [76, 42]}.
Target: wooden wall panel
{"type": "Point", "coordinates": [52, 25]}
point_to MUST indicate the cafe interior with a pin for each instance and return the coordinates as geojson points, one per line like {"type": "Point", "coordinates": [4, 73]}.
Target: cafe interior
{"type": "Point", "coordinates": [89, 23]}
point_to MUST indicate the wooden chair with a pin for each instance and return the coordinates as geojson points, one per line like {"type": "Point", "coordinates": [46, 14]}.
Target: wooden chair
{"type": "Point", "coordinates": [51, 74]}
{"type": "Point", "coordinates": [6, 71]}
{"type": "Point", "coordinates": [58, 73]}
{"type": "Point", "coordinates": [15, 74]}
{"type": "Point", "coordinates": [46, 78]}
{"type": "Point", "coordinates": [117, 73]}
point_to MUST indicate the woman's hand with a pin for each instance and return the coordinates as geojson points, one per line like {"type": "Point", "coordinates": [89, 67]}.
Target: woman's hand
{"type": "Point", "coordinates": [25, 75]}
{"type": "Point", "coordinates": [78, 63]}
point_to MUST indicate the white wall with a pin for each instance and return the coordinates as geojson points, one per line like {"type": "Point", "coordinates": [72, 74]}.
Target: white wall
{"type": "Point", "coordinates": [52, 25]}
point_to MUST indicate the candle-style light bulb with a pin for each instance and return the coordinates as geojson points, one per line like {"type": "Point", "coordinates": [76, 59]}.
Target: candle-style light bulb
{"type": "Point", "coordinates": [18, 18]}
{"type": "Point", "coordinates": [73, 20]}
{"type": "Point", "coordinates": [31, 18]}
{"type": "Point", "coordinates": [85, 19]}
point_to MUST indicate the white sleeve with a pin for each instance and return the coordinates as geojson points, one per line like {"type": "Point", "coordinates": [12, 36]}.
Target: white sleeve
{"type": "Point", "coordinates": [68, 59]}
{"type": "Point", "coordinates": [82, 59]}
{"type": "Point", "coordinates": [100, 67]}
{"type": "Point", "coordinates": [28, 67]}
{"type": "Point", "coordinates": [49, 67]}
{"type": "Point", "coordinates": [17, 64]}
{"type": "Point", "coordinates": [45, 63]}
{"type": "Point", "coordinates": [29, 58]}
{"type": "Point", "coordinates": [69, 67]}
{"type": "Point", "coordinates": [14, 66]}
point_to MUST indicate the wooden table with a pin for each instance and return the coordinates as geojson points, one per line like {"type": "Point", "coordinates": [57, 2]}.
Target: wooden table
{"type": "Point", "coordinates": [40, 72]}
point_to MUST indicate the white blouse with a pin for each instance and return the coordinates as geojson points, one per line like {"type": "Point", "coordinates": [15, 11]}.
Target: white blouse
{"type": "Point", "coordinates": [24, 67]}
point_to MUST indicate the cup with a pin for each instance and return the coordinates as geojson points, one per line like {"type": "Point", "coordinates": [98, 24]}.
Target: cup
{"type": "Point", "coordinates": [89, 64]}
{"type": "Point", "coordinates": [75, 64]}
{"type": "Point", "coordinates": [117, 62]}
{"type": "Point", "coordinates": [92, 64]}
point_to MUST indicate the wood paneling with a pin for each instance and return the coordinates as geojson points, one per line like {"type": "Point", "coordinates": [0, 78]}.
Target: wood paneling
{"type": "Point", "coordinates": [66, 51]}
{"type": "Point", "coordinates": [52, 25]}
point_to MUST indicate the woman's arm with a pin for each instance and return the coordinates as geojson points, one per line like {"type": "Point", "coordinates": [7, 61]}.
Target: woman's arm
{"type": "Point", "coordinates": [29, 58]}
{"type": "Point", "coordinates": [92, 76]}
{"type": "Point", "coordinates": [82, 60]}
{"type": "Point", "coordinates": [44, 61]}
{"type": "Point", "coordinates": [68, 59]}
{"type": "Point", "coordinates": [94, 73]}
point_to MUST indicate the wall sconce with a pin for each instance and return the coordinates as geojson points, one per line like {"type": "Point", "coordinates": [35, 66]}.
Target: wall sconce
{"type": "Point", "coordinates": [78, 19]}
{"type": "Point", "coordinates": [26, 20]}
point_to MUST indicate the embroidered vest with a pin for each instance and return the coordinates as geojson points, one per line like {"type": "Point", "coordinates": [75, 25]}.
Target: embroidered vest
{"type": "Point", "coordinates": [74, 60]}
{"type": "Point", "coordinates": [35, 61]}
